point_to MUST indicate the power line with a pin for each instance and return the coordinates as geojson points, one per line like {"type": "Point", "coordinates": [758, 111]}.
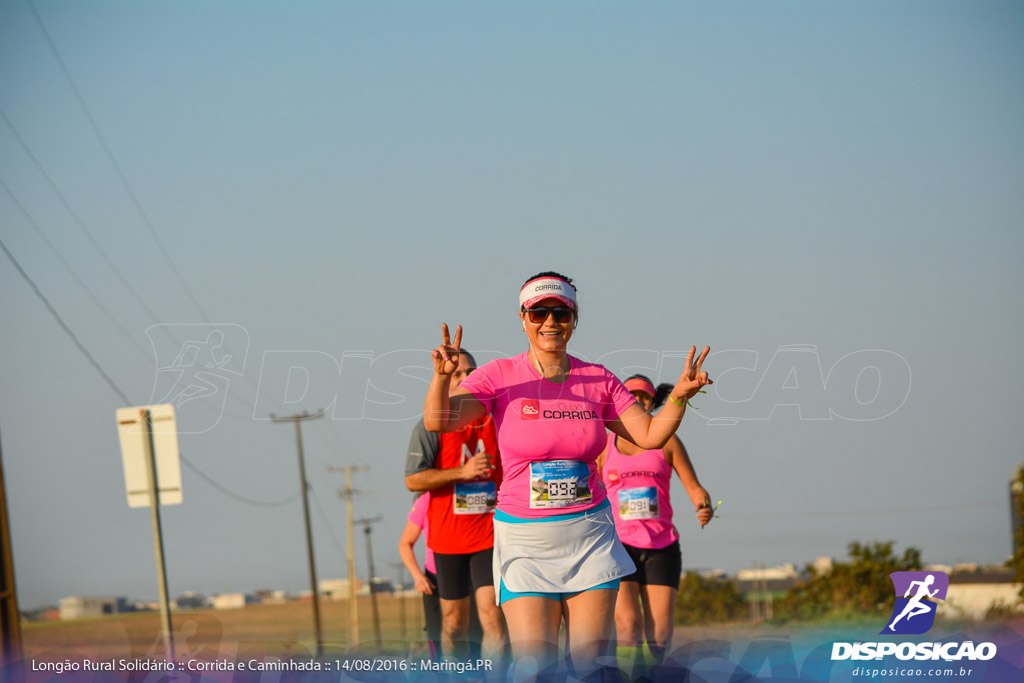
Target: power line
{"type": "Point", "coordinates": [77, 220]}
{"type": "Point", "coordinates": [92, 295]}
{"type": "Point", "coordinates": [338, 443]}
{"type": "Point", "coordinates": [102, 252]}
{"type": "Point", "coordinates": [81, 283]}
{"type": "Point", "coordinates": [327, 523]}
{"type": "Point", "coordinates": [113, 162]}
{"type": "Point", "coordinates": [110, 382]}
{"type": "Point", "coordinates": [236, 496]}
{"type": "Point", "coordinates": [60, 321]}
{"type": "Point", "coordinates": [129, 190]}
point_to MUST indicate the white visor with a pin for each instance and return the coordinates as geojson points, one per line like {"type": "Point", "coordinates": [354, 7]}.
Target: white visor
{"type": "Point", "coordinates": [547, 288]}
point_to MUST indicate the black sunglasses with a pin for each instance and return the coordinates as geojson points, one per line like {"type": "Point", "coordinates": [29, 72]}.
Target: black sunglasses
{"type": "Point", "coordinates": [539, 314]}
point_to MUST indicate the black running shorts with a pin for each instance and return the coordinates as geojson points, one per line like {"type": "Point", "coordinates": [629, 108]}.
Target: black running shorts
{"type": "Point", "coordinates": [458, 574]}
{"type": "Point", "coordinates": [655, 566]}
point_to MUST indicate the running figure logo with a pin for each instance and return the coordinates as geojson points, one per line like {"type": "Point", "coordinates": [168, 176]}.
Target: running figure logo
{"type": "Point", "coordinates": [914, 613]}
{"type": "Point", "coordinates": [194, 368]}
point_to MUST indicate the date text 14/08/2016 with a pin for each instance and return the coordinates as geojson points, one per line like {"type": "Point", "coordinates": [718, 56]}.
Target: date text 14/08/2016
{"type": "Point", "coordinates": [405, 665]}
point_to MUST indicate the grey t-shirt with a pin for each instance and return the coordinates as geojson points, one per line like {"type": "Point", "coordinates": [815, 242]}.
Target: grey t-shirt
{"type": "Point", "coordinates": [424, 447]}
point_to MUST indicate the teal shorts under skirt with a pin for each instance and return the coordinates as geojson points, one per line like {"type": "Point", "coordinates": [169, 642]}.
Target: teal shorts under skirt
{"type": "Point", "coordinates": [504, 594]}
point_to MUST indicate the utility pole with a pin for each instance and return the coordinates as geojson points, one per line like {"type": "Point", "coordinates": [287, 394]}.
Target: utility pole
{"type": "Point", "coordinates": [10, 619]}
{"type": "Point", "coordinates": [297, 419]}
{"type": "Point", "coordinates": [347, 493]}
{"type": "Point", "coordinates": [401, 595]}
{"type": "Point", "coordinates": [754, 596]}
{"type": "Point", "coordinates": [367, 530]}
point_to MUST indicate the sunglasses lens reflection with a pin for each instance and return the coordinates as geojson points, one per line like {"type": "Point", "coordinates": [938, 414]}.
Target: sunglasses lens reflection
{"type": "Point", "coordinates": [540, 313]}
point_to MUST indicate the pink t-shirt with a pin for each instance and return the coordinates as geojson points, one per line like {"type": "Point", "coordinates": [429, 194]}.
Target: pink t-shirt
{"type": "Point", "coordinates": [418, 516]}
{"type": "Point", "coordinates": [549, 434]}
{"type": "Point", "coordinates": [638, 489]}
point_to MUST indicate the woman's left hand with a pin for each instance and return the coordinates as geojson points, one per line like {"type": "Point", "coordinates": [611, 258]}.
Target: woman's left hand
{"type": "Point", "coordinates": [692, 379]}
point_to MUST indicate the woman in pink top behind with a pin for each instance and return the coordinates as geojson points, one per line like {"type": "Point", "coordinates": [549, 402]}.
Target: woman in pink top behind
{"type": "Point", "coordinates": [637, 482]}
{"type": "Point", "coordinates": [555, 548]}
{"type": "Point", "coordinates": [425, 580]}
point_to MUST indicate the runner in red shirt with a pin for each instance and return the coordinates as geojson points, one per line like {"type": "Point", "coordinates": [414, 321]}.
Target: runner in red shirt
{"type": "Point", "coordinates": [462, 471]}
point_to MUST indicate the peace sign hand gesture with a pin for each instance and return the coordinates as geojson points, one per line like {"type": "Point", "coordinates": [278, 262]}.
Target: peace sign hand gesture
{"type": "Point", "coordinates": [692, 379]}
{"type": "Point", "coordinates": [446, 356]}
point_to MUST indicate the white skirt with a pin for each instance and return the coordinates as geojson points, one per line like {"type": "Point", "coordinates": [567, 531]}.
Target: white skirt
{"type": "Point", "coordinates": [559, 556]}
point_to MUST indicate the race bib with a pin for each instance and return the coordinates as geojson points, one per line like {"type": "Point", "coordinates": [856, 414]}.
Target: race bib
{"type": "Point", "coordinates": [559, 483]}
{"type": "Point", "coordinates": [638, 503]}
{"type": "Point", "coordinates": [475, 497]}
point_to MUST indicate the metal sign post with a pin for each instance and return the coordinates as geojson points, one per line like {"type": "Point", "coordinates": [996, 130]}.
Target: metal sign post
{"type": "Point", "coordinates": [139, 450]}
{"type": "Point", "coordinates": [158, 537]}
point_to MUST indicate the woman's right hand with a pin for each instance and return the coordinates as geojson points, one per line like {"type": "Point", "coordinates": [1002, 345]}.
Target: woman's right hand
{"type": "Point", "coordinates": [423, 585]}
{"type": "Point", "coordinates": [705, 513]}
{"type": "Point", "coordinates": [446, 356]}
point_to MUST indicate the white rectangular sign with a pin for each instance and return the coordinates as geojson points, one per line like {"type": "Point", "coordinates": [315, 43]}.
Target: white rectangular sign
{"type": "Point", "coordinates": [131, 427]}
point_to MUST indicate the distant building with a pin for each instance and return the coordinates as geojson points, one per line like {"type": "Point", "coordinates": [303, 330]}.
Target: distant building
{"type": "Point", "coordinates": [75, 607]}
{"type": "Point", "coordinates": [972, 594]}
{"type": "Point", "coordinates": [230, 600]}
{"type": "Point", "coordinates": [269, 596]}
{"type": "Point", "coordinates": [785, 572]}
{"type": "Point", "coordinates": [823, 566]}
{"type": "Point", "coordinates": [45, 613]}
{"type": "Point", "coordinates": [713, 574]}
{"type": "Point", "coordinates": [190, 600]}
{"type": "Point", "coordinates": [337, 589]}
{"type": "Point", "coordinates": [758, 589]}
{"type": "Point", "coordinates": [762, 586]}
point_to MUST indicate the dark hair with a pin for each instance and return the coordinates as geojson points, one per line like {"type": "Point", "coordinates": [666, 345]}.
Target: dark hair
{"type": "Point", "coordinates": [551, 273]}
{"type": "Point", "coordinates": [464, 352]}
{"type": "Point", "coordinates": [661, 392]}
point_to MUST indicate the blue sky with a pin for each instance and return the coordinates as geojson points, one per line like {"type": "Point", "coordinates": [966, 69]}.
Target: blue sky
{"type": "Point", "coordinates": [330, 178]}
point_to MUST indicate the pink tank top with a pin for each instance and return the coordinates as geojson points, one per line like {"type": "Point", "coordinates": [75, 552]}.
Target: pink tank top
{"type": "Point", "coordinates": [419, 517]}
{"type": "Point", "coordinates": [638, 492]}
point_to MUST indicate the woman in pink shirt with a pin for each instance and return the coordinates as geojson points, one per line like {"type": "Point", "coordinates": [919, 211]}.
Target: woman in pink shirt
{"type": "Point", "coordinates": [425, 580]}
{"type": "Point", "coordinates": [555, 548]}
{"type": "Point", "coordinates": [637, 482]}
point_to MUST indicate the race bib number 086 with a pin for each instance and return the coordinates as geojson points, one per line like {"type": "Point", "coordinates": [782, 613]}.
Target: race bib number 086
{"type": "Point", "coordinates": [475, 497]}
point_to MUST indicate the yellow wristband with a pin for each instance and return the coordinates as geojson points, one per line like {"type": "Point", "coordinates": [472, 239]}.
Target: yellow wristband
{"type": "Point", "coordinates": [681, 404]}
